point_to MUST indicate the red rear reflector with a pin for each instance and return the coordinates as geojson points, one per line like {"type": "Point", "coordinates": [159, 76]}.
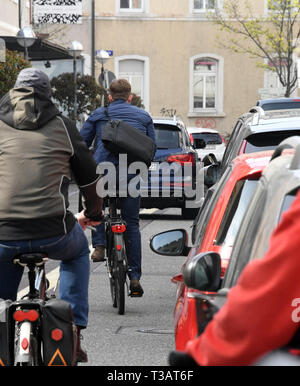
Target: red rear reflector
{"type": "Point", "coordinates": [118, 228]}
{"type": "Point", "coordinates": [57, 334]}
{"type": "Point", "coordinates": [25, 344]}
{"type": "Point", "coordinates": [30, 315]}
{"type": "Point", "coordinates": [119, 247]}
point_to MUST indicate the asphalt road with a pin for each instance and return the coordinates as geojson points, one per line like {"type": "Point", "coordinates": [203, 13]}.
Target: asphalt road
{"type": "Point", "coordinates": [144, 335]}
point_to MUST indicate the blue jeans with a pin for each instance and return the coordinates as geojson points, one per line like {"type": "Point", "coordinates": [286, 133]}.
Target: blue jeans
{"type": "Point", "coordinates": [73, 251]}
{"type": "Point", "coordinates": [130, 209]}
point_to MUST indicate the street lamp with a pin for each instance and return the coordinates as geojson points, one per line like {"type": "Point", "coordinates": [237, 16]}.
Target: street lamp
{"type": "Point", "coordinates": [102, 56]}
{"type": "Point", "coordinates": [26, 38]}
{"type": "Point", "coordinates": [75, 50]}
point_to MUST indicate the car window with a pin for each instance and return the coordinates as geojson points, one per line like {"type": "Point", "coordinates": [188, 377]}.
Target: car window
{"type": "Point", "coordinates": [167, 137]}
{"type": "Point", "coordinates": [230, 144]}
{"type": "Point", "coordinates": [245, 237]}
{"type": "Point", "coordinates": [287, 202]}
{"type": "Point", "coordinates": [237, 205]}
{"type": "Point", "coordinates": [208, 207]}
{"type": "Point", "coordinates": [209, 138]}
{"type": "Point", "coordinates": [267, 141]}
{"type": "Point", "coordinates": [281, 106]}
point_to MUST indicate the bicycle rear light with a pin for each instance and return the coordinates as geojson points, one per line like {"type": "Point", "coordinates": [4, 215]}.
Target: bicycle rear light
{"type": "Point", "coordinates": [57, 334]}
{"type": "Point", "coordinates": [118, 228]}
{"type": "Point", "coordinates": [25, 344]}
{"type": "Point", "coordinates": [30, 315]}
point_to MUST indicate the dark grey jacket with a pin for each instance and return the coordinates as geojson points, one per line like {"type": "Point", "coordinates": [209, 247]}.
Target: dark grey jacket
{"type": "Point", "coordinates": [38, 150]}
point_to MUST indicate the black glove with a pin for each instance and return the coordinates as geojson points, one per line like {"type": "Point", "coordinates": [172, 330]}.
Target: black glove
{"type": "Point", "coordinates": [181, 359]}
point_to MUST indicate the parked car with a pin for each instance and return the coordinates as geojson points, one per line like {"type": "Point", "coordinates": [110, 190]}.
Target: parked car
{"type": "Point", "coordinates": [215, 229]}
{"type": "Point", "coordinates": [162, 189]}
{"type": "Point", "coordinates": [278, 103]}
{"type": "Point", "coordinates": [259, 130]}
{"type": "Point", "coordinates": [274, 194]}
{"type": "Point", "coordinates": [207, 141]}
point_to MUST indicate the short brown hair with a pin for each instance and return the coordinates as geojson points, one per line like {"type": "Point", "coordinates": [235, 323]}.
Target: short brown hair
{"type": "Point", "coordinates": [120, 89]}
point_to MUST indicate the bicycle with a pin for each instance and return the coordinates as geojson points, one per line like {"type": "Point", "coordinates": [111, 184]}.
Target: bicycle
{"type": "Point", "coordinates": [40, 330]}
{"type": "Point", "coordinates": [117, 263]}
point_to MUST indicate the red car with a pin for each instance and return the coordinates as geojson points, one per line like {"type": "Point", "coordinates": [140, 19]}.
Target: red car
{"type": "Point", "coordinates": [215, 228]}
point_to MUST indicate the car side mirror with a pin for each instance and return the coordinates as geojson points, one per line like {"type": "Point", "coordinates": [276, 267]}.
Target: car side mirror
{"type": "Point", "coordinates": [170, 243]}
{"type": "Point", "coordinates": [203, 272]}
{"type": "Point", "coordinates": [211, 174]}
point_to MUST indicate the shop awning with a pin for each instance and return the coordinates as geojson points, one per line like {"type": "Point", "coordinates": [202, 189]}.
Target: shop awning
{"type": "Point", "coordinates": [40, 50]}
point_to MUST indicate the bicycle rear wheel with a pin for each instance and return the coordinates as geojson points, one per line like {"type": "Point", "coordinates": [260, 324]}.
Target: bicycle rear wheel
{"type": "Point", "coordinates": [113, 290]}
{"type": "Point", "coordinates": [120, 280]}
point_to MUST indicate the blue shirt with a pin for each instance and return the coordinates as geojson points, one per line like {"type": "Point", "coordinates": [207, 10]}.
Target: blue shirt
{"type": "Point", "coordinates": [118, 109]}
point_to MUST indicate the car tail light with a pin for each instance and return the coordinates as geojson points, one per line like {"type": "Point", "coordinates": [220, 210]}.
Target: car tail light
{"type": "Point", "coordinates": [118, 228]}
{"type": "Point", "coordinates": [223, 140]}
{"type": "Point", "coordinates": [182, 158]}
{"type": "Point", "coordinates": [191, 138]}
{"type": "Point", "coordinates": [31, 315]}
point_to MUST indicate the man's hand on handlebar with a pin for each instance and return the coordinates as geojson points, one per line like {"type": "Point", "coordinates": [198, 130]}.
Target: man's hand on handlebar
{"type": "Point", "coordinates": [85, 222]}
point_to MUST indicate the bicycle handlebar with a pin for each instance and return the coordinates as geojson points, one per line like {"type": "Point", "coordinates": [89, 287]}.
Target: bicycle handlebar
{"type": "Point", "coordinates": [181, 359]}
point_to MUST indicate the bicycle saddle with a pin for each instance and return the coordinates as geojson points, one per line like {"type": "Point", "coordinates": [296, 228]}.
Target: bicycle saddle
{"type": "Point", "coordinates": [30, 258]}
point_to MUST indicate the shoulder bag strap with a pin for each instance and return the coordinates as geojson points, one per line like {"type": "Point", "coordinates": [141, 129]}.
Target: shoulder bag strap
{"type": "Point", "coordinates": [106, 112]}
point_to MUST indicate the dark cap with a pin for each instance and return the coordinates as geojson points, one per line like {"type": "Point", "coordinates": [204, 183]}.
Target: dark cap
{"type": "Point", "coordinates": [32, 77]}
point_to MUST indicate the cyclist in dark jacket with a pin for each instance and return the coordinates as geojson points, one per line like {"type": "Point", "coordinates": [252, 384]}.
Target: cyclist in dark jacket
{"type": "Point", "coordinates": [120, 108]}
{"type": "Point", "coordinates": [39, 148]}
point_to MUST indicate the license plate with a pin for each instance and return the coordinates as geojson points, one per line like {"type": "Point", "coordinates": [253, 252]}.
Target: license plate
{"type": "Point", "coordinates": [210, 147]}
{"type": "Point", "coordinates": [153, 166]}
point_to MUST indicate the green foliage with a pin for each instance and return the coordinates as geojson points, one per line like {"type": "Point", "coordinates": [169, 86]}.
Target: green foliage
{"type": "Point", "coordinates": [89, 93]}
{"type": "Point", "coordinates": [272, 37]}
{"type": "Point", "coordinates": [137, 101]}
{"type": "Point", "coordinates": [10, 69]}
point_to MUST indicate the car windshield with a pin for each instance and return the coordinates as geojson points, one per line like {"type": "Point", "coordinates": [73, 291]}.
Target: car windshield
{"type": "Point", "coordinates": [267, 141]}
{"type": "Point", "coordinates": [167, 137]}
{"type": "Point", "coordinates": [238, 203]}
{"type": "Point", "coordinates": [281, 106]}
{"type": "Point", "coordinates": [209, 138]}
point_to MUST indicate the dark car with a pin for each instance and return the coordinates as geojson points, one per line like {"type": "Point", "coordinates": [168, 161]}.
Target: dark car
{"type": "Point", "coordinates": [259, 130]}
{"type": "Point", "coordinates": [173, 172]}
{"type": "Point", "coordinates": [278, 103]}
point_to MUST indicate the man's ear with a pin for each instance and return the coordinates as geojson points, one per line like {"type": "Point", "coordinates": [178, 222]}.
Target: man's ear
{"type": "Point", "coordinates": [110, 98]}
{"type": "Point", "coordinates": [130, 98]}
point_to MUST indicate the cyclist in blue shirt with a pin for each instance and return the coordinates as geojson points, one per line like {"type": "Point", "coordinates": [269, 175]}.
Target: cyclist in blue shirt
{"type": "Point", "coordinates": [120, 108]}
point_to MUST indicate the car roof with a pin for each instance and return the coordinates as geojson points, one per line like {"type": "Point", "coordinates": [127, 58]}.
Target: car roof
{"type": "Point", "coordinates": [175, 121]}
{"type": "Point", "coordinates": [252, 162]}
{"type": "Point", "coordinates": [201, 130]}
{"type": "Point", "coordinates": [269, 121]}
{"type": "Point", "coordinates": [261, 102]}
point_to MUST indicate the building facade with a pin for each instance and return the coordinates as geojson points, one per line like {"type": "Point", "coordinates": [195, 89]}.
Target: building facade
{"type": "Point", "coordinates": [173, 56]}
